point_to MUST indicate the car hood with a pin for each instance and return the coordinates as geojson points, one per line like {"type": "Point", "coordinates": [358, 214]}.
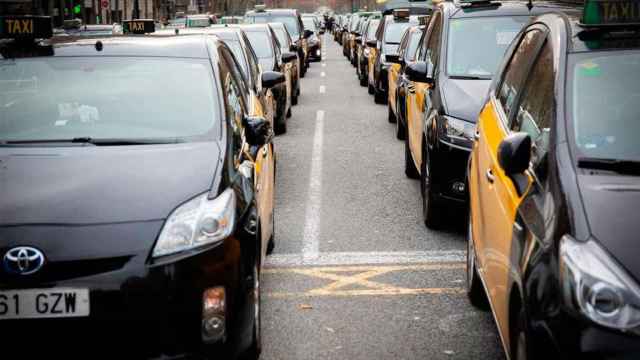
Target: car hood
{"type": "Point", "coordinates": [101, 185]}
{"type": "Point", "coordinates": [611, 204]}
{"type": "Point", "coordinates": [464, 98]}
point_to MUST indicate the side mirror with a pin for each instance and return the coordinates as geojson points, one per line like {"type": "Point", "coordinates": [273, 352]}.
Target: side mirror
{"type": "Point", "coordinates": [372, 43]}
{"type": "Point", "coordinates": [393, 59]}
{"type": "Point", "coordinates": [358, 39]}
{"type": "Point", "coordinates": [258, 130]}
{"type": "Point", "coordinates": [271, 79]}
{"type": "Point", "coordinates": [293, 47]}
{"type": "Point", "coordinates": [289, 57]}
{"type": "Point", "coordinates": [514, 153]}
{"type": "Point", "coordinates": [322, 32]}
{"type": "Point", "coordinates": [418, 72]}
{"type": "Point", "coordinates": [307, 34]}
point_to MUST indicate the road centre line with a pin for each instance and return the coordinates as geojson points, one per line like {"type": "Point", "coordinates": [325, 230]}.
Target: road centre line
{"type": "Point", "coordinates": [323, 74]}
{"type": "Point", "coordinates": [324, 65]}
{"type": "Point", "coordinates": [310, 246]}
{"type": "Point", "coordinates": [364, 258]}
{"type": "Point", "coordinates": [323, 89]}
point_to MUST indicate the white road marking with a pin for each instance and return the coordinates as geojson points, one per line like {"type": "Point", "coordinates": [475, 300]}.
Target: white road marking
{"type": "Point", "coordinates": [323, 74]}
{"type": "Point", "coordinates": [323, 89]}
{"type": "Point", "coordinates": [324, 65]}
{"type": "Point", "coordinates": [310, 246]}
{"type": "Point", "coordinates": [356, 258]}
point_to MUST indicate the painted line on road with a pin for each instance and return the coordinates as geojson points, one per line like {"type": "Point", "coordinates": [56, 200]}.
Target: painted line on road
{"type": "Point", "coordinates": [364, 258]}
{"type": "Point", "coordinates": [323, 89]}
{"type": "Point", "coordinates": [324, 65]}
{"type": "Point", "coordinates": [310, 246]}
{"type": "Point", "coordinates": [353, 293]}
{"type": "Point", "coordinates": [323, 74]}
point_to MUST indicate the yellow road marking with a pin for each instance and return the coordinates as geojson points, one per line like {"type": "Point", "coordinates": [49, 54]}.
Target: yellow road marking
{"type": "Point", "coordinates": [361, 278]}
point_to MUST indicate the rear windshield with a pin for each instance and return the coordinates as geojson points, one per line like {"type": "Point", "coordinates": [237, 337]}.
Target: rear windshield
{"type": "Point", "coordinates": [394, 32]}
{"type": "Point", "coordinates": [476, 45]}
{"type": "Point", "coordinates": [605, 97]}
{"type": "Point", "coordinates": [107, 98]}
{"type": "Point", "coordinates": [261, 44]}
{"type": "Point", "coordinates": [291, 22]}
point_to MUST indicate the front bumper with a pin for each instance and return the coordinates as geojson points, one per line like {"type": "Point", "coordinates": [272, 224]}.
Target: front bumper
{"type": "Point", "coordinates": [149, 310]}
{"type": "Point", "coordinates": [449, 178]}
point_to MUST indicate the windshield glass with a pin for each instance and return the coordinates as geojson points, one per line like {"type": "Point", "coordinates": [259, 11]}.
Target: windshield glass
{"type": "Point", "coordinates": [605, 96]}
{"type": "Point", "coordinates": [394, 32]}
{"type": "Point", "coordinates": [261, 44]}
{"type": "Point", "coordinates": [412, 48]}
{"type": "Point", "coordinates": [291, 22]}
{"type": "Point", "coordinates": [58, 98]}
{"type": "Point", "coordinates": [236, 49]}
{"type": "Point", "coordinates": [371, 30]}
{"type": "Point", "coordinates": [309, 24]}
{"type": "Point", "coordinates": [477, 45]}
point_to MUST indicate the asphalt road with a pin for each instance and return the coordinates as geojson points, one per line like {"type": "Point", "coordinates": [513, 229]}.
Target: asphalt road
{"type": "Point", "coordinates": [355, 274]}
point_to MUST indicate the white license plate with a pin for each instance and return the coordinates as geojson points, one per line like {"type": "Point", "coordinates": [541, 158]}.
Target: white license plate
{"type": "Point", "coordinates": [44, 303]}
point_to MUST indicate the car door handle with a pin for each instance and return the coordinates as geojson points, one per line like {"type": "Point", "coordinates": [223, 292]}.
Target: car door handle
{"type": "Point", "coordinates": [490, 177]}
{"type": "Point", "coordinates": [477, 135]}
{"type": "Point", "coordinates": [264, 152]}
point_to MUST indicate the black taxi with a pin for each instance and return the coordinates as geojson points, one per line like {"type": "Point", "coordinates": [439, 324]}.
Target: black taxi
{"type": "Point", "coordinates": [121, 218]}
{"type": "Point", "coordinates": [554, 182]}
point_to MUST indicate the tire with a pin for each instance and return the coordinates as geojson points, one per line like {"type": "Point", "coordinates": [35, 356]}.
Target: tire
{"type": "Point", "coordinates": [432, 209]}
{"type": "Point", "coordinates": [253, 353]}
{"type": "Point", "coordinates": [475, 291]}
{"type": "Point", "coordinates": [289, 113]}
{"type": "Point", "coordinates": [391, 117]}
{"type": "Point", "coordinates": [379, 97]}
{"type": "Point", "coordinates": [294, 100]}
{"type": "Point", "coordinates": [370, 88]}
{"type": "Point", "coordinates": [281, 127]}
{"type": "Point", "coordinates": [409, 166]}
{"type": "Point", "coordinates": [401, 131]}
{"type": "Point", "coordinates": [363, 80]}
{"type": "Point", "coordinates": [520, 349]}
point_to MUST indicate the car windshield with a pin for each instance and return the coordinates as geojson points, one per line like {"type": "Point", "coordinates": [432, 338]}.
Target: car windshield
{"type": "Point", "coordinates": [393, 33]}
{"type": "Point", "coordinates": [107, 98]}
{"type": "Point", "coordinates": [291, 22]}
{"type": "Point", "coordinates": [309, 24]}
{"type": "Point", "coordinates": [372, 29]}
{"type": "Point", "coordinates": [261, 44]}
{"type": "Point", "coordinates": [476, 45]}
{"type": "Point", "coordinates": [605, 94]}
{"type": "Point", "coordinates": [412, 48]}
{"type": "Point", "coordinates": [236, 49]}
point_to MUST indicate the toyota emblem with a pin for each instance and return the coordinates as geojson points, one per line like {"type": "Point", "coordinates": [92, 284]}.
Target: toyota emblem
{"type": "Point", "coordinates": [23, 260]}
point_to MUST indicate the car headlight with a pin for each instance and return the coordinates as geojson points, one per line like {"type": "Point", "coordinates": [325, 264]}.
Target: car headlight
{"type": "Point", "coordinates": [196, 223]}
{"type": "Point", "coordinates": [595, 285]}
{"type": "Point", "coordinates": [458, 129]}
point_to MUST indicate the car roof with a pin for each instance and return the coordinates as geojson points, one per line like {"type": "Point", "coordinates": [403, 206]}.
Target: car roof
{"type": "Point", "coordinates": [193, 46]}
{"type": "Point", "coordinates": [253, 27]}
{"type": "Point", "coordinates": [268, 12]}
{"type": "Point", "coordinates": [506, 8]}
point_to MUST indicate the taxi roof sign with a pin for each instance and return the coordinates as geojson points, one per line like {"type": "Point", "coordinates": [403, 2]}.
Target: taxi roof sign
{"type": "Point", "coordinates": [260, 8]}
{"type": "Point", "coordinates": [25, 27]}
{"type": "Point", "coordinates": [599, 13]}
{"type": "Point", "coordinates": [140, 26]}
{"type": "Point", "coordinates": [401, 13]}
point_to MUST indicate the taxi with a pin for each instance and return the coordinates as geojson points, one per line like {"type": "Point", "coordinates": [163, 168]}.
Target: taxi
{"type": "Point", "coordinates": [120, 217]}
{"type": "Point", "coordinates": [287, 45]}
{"type": "Point", "coordinates": [457, 58]}
{"type": "Point", "coordinates": [397, 79]}
{"type": "Point", "coordinates": [554, 182]}
{"type": "Point", "coordinates": [388, 36]}
{"type": "Point", "coordinates": [364, 50]}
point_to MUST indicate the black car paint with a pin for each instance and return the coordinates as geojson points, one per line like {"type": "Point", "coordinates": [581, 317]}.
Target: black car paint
{"type": "Point", "coordinates": [77, 205]}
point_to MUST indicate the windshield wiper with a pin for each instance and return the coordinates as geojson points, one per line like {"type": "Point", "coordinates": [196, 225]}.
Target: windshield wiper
{"type": "Point", "coordinates": [629, 167]}
{"type": "Point", "coordinates": [469, 77]}
{"type": "Point", "coordinates": [97, 142]}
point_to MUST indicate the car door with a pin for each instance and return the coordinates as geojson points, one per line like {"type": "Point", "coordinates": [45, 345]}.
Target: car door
{"type": "Point", "coordinates": [494, 212]}
{"type": "Point", "coordinates": [417, 90]}
{"type": "Point", "coordinates": [394, 71]}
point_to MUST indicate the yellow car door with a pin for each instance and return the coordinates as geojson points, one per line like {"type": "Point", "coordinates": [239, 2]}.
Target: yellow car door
{"type": "Point", "coordinates": [373, 53]}
{"type": "Point", "coordinates": [415, 119]}
{"type": "Point", "coordinates": [394, 72]}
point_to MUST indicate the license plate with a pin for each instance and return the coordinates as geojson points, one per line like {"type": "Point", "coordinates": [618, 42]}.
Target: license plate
{"type": "Point", "coordinates": [44, 303]}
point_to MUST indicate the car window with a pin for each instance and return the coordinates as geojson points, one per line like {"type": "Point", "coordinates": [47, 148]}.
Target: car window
{"type": "Point", "coordinates": [604, 93]}
{"type": "Point", "coordinates": [536, 111]}
{"type": "Point", "coordinates": [291, 22]}
{"type": "Point", "coordinates": [261, 44]}
{"type": "Point", "coordinates": [393, 33]}
{"type": "Point", "coordinates": [137, 98]}
{"type": "Point", "coordinates": [433, 45]}
{"type": "Point", "coordinates": [476, 45]}
{"type": "Point", "coordinates": [234, 109]}
{"type": "Point", "coordinates": [309, 24]}
{"type": "Point", "coordinates": [371, 29]}
{"type": "Point", "coordinates": [282, 36]}
{"type": "Point", "coordinates": [412, 47]}
{"type": "Point", "coordinates": [236, 73]}
{"type": "Point", "coordinates": [517, 70]}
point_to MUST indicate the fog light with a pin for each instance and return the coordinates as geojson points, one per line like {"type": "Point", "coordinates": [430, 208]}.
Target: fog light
{"type": "Point", "coordinates": [458, 187]}
{"type": "Point", "coordinates": [213, 315]}
{"type": "Point", "coordinates": [317, 52]}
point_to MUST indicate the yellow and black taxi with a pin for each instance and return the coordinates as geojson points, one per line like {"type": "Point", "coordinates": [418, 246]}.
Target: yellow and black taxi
{"type": "Point", "coordinates": [292, 20]}
{"type": "Point", "coordinates": [554, 182]}
{"type": "Point", "coordinates": [315, 40]}
{"type": "Point", "coordinates": [364, 49]}
{"type": "Point", "coordinates": [287, 45]}
{"type": "Point", "coordinates": [398, 82]}
{"type": "Point", "coordinates": [458, 56]}
{"type": "Point", "coordinates": [388, 36]}
{"type": "Point", "coordinates": [121, 218]}
{"type": "Point", "coordinates": [265, 45]}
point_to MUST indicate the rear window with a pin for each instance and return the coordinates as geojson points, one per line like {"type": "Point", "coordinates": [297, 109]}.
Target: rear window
{"type": "Point", "coordinates": [107, 98]}
{"type": "Point", "coordinates": [291, 22]}
{"type": "Point", "coordinates": [261, 43]}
